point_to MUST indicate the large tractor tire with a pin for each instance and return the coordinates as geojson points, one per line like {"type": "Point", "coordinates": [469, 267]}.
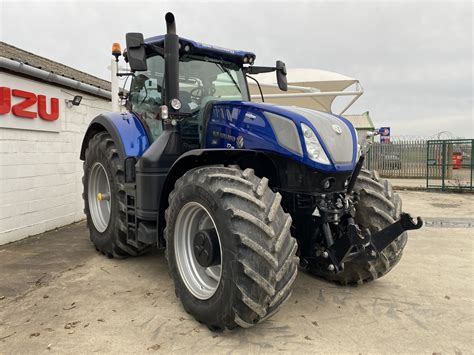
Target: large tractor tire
{"type": "Point", "coordinates": [229, 248]}
{"type": "Point", "coordinates": [378, 207]}
{"type": "Point", "coordinates": [104, 198]}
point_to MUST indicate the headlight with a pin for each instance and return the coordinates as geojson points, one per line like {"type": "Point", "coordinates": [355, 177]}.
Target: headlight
{"type": "Point", "coordinates": [175, 104]}
{"type": "Point", "coordinates": [313, 146]}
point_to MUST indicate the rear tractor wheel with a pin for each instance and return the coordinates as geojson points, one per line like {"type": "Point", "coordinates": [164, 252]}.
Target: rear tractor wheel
{"type": "Point", "coordinates": [104, 198]}
{"type": "Point", "coordinates": [229, 247]}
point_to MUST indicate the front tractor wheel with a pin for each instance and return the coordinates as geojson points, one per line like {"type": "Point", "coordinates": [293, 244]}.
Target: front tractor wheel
{"type": "Point", "coordinates": [377, 208]}
{"type": "Point", "coordinates": [229, 248]}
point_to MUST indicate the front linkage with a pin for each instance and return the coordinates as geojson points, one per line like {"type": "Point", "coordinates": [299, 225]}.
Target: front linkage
{"type": "Point", "coordinates": [350, 242]}
{"type": "Point", "coordinates": [362, 244]}
{"type": "Point", "coordinates": [357, 243]}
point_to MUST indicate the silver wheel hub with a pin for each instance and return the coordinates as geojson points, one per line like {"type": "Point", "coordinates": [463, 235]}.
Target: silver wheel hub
{"type": "Point", "coordinates": [192, 222]}
{"type": "Point", "coordinates": [99, 197]}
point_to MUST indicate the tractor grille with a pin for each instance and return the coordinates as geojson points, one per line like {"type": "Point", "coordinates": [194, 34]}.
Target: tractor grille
{"type": "Point", "coordinates": [190, 135]}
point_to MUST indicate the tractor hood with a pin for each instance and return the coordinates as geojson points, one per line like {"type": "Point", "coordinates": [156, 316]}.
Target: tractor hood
{"type": "Point", "coordinates": [292, 131]}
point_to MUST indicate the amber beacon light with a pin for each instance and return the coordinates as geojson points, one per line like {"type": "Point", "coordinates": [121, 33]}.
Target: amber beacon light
{"type": "Point", "coordinates": [116, 50]}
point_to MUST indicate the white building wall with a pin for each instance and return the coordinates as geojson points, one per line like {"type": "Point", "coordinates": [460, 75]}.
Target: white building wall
{"type": "Point", "coordinates": [40, 171]}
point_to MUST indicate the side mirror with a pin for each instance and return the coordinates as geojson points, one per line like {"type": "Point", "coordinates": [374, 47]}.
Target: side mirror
{"type": "Point", "coordinates": [281, 75]}
{"type": "Point", "coordinates": [136, 51]}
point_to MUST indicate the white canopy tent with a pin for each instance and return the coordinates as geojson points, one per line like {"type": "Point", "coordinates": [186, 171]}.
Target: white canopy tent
{"type": "Point", "coordinates": [310, 88]}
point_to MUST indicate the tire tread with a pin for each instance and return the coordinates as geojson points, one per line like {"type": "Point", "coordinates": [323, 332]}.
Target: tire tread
{"type": "Point", "coordinates": [266, 255]}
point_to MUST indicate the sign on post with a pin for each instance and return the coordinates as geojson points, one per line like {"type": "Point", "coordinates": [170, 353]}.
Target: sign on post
{"type": "Point", "coordinates": [384, 134]}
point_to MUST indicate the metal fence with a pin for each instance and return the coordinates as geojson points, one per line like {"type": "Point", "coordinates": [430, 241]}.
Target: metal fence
{"type": "Point", "coordinates": [404, 158]}
{"type": "Point", "coordinates": [449, 164]}
{"type": "Point", "coordinates": [445, 164]}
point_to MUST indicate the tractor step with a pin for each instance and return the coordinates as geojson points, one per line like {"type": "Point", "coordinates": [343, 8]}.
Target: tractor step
{"type": "Point", "coordinates": [139, 231]}
{"type": "Point", "coordinates": [131, 215]}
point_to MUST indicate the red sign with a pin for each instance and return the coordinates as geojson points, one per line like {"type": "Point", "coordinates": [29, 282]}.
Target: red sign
{"type": "Point", "coordinates": [24, 107]}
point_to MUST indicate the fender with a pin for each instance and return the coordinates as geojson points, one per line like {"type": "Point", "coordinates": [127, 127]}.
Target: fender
{"type": "Point", "coordinates": [126, 129]}
{"type": "Point", "coordinates": [200, 157]}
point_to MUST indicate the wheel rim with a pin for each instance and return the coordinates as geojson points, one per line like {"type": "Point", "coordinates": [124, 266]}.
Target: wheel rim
{"type": "Point", "coordinates": [201, 281]}
{"type": "Point", "coordinates": [99, 197]}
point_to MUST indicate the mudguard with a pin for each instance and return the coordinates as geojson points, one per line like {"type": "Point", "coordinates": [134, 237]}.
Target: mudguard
{"type": "Point", "coordinates": [126, 129]}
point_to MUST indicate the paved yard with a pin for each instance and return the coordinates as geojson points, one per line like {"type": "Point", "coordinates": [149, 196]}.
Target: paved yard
{"type": "Point", "coordinates": [58, 295]}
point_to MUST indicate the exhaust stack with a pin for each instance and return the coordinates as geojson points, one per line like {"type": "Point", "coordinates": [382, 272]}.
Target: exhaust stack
{"type": "Point", "coordinates": [171, 44]}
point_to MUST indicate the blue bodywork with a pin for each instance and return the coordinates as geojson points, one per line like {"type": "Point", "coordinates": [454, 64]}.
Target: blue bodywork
{"type": "Point", "coordinates": [229, 122]}
{"type": "Point", "coordinates": [231, 119]}
{"type": "Point", "coordinates": [134, 137]}
{"type": "Point", "coordinates": [125, 128]}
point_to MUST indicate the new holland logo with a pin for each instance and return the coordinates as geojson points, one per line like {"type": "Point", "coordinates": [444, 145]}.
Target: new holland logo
{"type": "Point", "coordinates": [337, 129]}
{"type": "Point", "coordinates": [240, 141]}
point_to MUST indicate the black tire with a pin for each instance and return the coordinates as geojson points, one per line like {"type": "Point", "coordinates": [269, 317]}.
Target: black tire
{"type": "Point", "coordinates": [113, 241]}
{"type": "Point", "coordinates": [259, 262]}
{"type": "Point", "coordinates": [378, 207]}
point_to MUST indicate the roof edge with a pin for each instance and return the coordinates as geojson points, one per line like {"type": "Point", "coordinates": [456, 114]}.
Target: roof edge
{"type": "Point", "coordinates": [44, 75]}
{"type": "Point", "coordinates": [19, 55]}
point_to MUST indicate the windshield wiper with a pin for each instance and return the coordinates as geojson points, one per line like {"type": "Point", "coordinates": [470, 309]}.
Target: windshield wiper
{"type": "Point", "coordinates": [227, 71]}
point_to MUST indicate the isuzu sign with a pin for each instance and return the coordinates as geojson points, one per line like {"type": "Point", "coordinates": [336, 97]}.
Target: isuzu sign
{"type": "Point", "coordinates": [31, 105]}
{"type": "Point", "coordinates": [28, 105]}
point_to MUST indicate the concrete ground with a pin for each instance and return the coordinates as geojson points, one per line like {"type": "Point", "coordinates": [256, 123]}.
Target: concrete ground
{"type": "Point", "coordinates": [420, 183]}
{"type": "Point", "coordinates": [58, 295]}
{"type": "Point", "coordinates": [409, 184]}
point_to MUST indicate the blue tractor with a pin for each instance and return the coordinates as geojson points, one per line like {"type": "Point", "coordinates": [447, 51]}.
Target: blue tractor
{"type": "Point", "coordinates": [240, 194]}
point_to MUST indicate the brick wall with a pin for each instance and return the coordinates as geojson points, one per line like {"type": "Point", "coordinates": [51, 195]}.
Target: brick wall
{"type": "Point", "coordinates": [40, 171]}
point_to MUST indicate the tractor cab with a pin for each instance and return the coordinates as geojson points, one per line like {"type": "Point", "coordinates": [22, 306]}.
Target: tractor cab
{"type": "Point", "coordinates": [204, 76]}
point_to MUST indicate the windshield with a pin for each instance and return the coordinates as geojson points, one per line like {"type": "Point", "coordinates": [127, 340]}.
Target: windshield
{"type": "Point", "coordinates": [200, 81]}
